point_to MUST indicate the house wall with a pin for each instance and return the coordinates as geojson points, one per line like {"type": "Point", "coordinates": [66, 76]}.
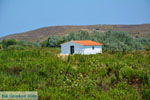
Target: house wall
{"type": "Point", "coordinates": [65, 48]}
{"type": "Point", "coordinates": [79, 49]}
{"type": "Point", "coordinates": [89, 50]}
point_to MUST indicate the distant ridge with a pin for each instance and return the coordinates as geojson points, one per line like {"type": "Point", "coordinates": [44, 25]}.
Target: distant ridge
{"type": "Point", "coordinates": [42, 34]}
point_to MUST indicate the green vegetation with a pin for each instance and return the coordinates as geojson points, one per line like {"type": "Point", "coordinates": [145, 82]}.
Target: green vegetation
{"type": "Point", "coordinates": [107, 76]}
{"type": "Point", "coordinates": [6, 43]}
{"type": "Point", "coordinates": [112, 40]}
{"type": "Point", "coordinates": [13, 44]}
{"type": "Point", "coordinates": [122, 72]}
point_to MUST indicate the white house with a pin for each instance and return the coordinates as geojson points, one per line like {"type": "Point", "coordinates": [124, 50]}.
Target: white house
{"type": "Point", "coordinates": [81, 47]}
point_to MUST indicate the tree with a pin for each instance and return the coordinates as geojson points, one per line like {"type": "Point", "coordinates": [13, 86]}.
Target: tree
{"type": "Point", "coordinates": [55, 41]}
{"type": "Point", "coordinates": [44, 43]}
{"type": "Point", "coordinates": [112, 40]}
{"type": "Point", "coordinates": [6, 43]}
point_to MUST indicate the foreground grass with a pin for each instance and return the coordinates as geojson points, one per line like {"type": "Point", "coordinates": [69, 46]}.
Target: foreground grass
{"type": "Point", "coordinates": [118, 76]}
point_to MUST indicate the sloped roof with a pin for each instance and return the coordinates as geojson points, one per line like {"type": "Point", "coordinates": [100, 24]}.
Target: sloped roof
{"type": "Point", "coordinates": [87, 42]}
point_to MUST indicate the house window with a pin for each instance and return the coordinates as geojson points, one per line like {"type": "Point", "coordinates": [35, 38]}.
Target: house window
{"type": "Point", "coordinates": [93, 47]}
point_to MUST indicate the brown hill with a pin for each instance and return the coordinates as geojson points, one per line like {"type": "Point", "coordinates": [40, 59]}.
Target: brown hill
{"type": "Point", "coordinates": [43, 33]}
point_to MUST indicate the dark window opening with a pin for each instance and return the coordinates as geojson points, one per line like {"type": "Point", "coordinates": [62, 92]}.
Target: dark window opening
{"type": "Point", "coordinates": [93, 47]}
{"type": "Point", "coordinates": [71, 49]}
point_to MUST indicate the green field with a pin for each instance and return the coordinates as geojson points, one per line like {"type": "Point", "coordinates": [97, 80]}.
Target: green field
{"type": "Point", "coordinates": [107, 76]}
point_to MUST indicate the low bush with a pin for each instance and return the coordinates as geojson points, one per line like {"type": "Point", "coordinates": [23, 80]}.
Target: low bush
{"type": "Point", "coordinates": [16, 47]}
{"type": "Point", "coordinates": [113, 40]}
{"type": "Point", "coordinates": [146, 93]}
{"type": "Point", "coordinates": [134, 75]}
{"type": "Point", "coordinates": [124, 92]}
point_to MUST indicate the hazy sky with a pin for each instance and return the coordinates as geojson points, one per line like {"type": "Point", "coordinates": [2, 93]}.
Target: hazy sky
{"type": "Point", "coordinates": [24, 15]}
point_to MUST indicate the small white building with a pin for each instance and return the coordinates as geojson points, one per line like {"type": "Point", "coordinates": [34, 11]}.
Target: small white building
{"type": "Point", "coordinates": [81, 47]}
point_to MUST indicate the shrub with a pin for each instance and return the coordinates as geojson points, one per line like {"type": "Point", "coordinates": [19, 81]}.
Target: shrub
{"type": "Point", "coordinates": [134, 75]}
{"type": "Point", "coordinates": [55, 41]}
{"type": "Point", "coordinates": [146, 93]}
{"type": "Point", "coordinates": [16, 47]}
{"type": "Point", "coordinates": [6, 43]}
{"type": "Point", "coordinates": [124, 92]}
{"type": "Point", "coordinates": [44, 43]}
{"type": "Point", "coordinates": [112, 40]}
{"type": "Point", "coordinates": [1, 46]}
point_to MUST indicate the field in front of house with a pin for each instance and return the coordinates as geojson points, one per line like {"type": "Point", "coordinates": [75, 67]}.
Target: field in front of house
{"type": "Point", "coordinates": [107, 76]}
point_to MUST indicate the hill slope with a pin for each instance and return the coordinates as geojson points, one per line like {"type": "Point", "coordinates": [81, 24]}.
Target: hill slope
{"type": "Point", "coordinates": [42, 33]}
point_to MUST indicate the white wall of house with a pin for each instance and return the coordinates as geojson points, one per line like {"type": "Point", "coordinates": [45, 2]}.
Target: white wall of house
{"type": "Point", "coordinates": [90, 50]}
{"type": "Point", "coordinates": [79, 49]}
{"type": "Point", "coordinates": [65, 48]}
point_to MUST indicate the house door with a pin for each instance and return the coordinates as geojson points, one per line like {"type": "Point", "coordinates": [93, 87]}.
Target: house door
{"type": "Point", "coordinates": [71, 49]}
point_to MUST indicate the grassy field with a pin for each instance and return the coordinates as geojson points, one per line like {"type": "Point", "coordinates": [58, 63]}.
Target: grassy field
{"type": "Point", "coordinates": [107, 76]}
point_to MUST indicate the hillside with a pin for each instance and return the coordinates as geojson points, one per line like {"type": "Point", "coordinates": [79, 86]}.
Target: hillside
{"type": "Point", "coordinates": [42, 33]}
